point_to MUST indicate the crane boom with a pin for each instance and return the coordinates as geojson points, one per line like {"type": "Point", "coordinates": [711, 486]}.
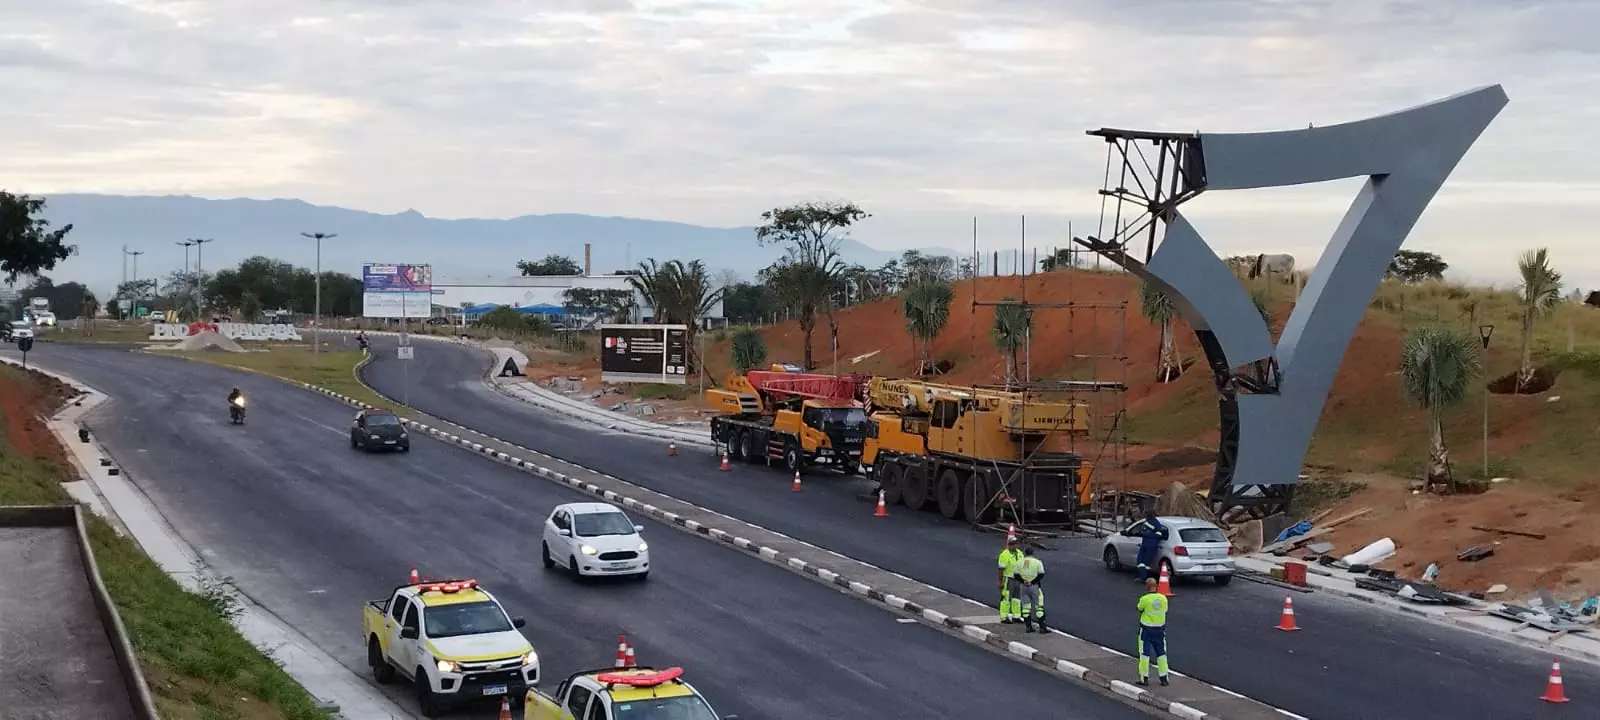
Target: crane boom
{"type": "Point", "coordinates": [841, 388]}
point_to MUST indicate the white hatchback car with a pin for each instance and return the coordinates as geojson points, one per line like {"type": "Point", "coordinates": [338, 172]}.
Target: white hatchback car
{"type": "Point", "coordinates": [594, 539]}
{"type": "Point", "coordinates": [1193, 548]}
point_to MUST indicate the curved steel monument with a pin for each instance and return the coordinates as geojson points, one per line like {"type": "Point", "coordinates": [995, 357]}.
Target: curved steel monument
{"type": "Point", "coordinates": [1270, 397]}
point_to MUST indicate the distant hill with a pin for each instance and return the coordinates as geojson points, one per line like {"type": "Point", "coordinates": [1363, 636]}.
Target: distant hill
{"type": "Point", "coordinates": [457, 249]}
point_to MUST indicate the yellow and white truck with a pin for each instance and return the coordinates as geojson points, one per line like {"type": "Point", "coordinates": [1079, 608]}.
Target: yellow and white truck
{"type": "Point", "coordinates": [452, 640]}
{"type": "Point", "coordinates": [633, 693]}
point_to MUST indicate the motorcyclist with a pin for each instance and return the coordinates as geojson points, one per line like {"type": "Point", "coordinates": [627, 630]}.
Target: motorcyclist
{"type": "Point", "coordinates": [233, 397]}
{"type": "Point", "coordinates": [361, 339]}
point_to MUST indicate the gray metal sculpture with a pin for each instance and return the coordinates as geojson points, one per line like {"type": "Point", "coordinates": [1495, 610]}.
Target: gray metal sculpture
{"type": "Point", "coordinates": [1271, 397]}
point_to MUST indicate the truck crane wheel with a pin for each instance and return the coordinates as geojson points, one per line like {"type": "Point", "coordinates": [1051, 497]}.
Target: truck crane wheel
{"type": "Point", "coordinates": [976, 507]}
{"type": "Point", "coordinates": [382, 671]}
{"type": "Point", "coordinates": [891, 480]}
{"type": "Point", "coordinates": [791, 457]}
{"type": "Point", "coordinates": [747, 446]}
{"type": "Point", "coordinates": [916, 488]}
{"type": "Point", "coordinates": [948, 492]}
{"type": "Point", "coordinates": [738, 444]}
{"type": "Point", "coordinates": [427, 702]}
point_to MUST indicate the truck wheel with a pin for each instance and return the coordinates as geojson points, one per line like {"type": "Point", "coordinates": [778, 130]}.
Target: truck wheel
{"type": "Point", "coordinates": [736, 444]}
{"type": "Point", "coordinates": [427, 702]}
{"type": "Point", "coordinates": [791, 457]}
{"type": "Point", "coordinates": [891, 480]}
{"type": "Point", "coordinates": [948, 492]}
{"type": "Point", "coordinates": [747, 447]}
{"type": "Point", "coordinates": [544, 556]}
{"type": "Point", "coordinates": [916, 488]}
{"type": "Point", "coordinates": [382, 671]}
{"type": "Point", "coordinates": [976, 507]}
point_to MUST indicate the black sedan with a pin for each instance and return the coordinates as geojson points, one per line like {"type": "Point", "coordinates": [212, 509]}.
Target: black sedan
{"type": "Point", "coordinates": [379, 430]}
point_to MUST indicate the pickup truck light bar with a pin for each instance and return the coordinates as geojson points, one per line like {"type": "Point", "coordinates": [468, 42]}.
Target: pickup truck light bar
{"type": "Point", "coordinates": [448, 586]}
{"type": "Point", "coordinates": [636, 679]}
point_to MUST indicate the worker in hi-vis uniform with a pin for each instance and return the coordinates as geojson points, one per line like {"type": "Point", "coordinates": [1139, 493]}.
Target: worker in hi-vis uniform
{"type": "Point", "coordinates": [1029, 574]}
{"type": "Point", "coordinates": [1010, 604]}
{"type": "Point", "coordinates": [1152, 632]}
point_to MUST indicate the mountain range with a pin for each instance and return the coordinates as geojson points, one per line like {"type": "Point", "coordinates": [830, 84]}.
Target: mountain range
{"type": "Point", "coordinates": [461, 249]}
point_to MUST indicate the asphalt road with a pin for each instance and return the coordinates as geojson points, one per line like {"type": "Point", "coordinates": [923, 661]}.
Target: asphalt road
{"type": "Point", "coordinates": [55, 657]}
{"type": "Point", "coordinates": [1347, 661]}
{"type": "Point", "coordinates": [311, 529]}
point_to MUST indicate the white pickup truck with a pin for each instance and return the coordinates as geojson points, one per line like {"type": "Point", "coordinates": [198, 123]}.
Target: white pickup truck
{"type": "Point", "coordinates": [452, 640]}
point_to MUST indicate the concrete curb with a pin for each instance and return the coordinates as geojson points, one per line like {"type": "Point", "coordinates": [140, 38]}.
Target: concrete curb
{"type": "Point", "coordinates": [971, 632]}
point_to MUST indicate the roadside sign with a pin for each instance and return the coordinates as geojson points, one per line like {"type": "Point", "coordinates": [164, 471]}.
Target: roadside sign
{"type": "Point", "coordinates": [406, 352]}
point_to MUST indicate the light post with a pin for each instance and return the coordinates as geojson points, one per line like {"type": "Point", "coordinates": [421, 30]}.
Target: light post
{"type": "Point", "coordinates": [186, 245]}
{"type": "Point", "coordinates": [316, 314]}
{"type": "Point", "coordinates": [199, 267]}
{"type": "Point", "coordinates": [1484, 331]}
{"type": "Point", "coordinates": [135, 254]}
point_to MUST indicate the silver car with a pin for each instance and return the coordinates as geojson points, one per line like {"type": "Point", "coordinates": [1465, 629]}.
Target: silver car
{"type": "Point", "coordinates": [1193, 548]}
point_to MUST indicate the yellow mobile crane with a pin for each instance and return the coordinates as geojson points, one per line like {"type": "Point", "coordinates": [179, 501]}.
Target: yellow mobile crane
{"type": "Point", "coordinates": [973, 451]}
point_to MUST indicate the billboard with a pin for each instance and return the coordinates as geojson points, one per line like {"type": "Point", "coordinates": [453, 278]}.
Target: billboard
{"type": "Point", "coordinates": [644, 353]}
{"type": "Point", "coordinates": [396, 291]}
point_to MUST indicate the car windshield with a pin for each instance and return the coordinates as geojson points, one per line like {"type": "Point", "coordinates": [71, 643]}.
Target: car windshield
{"type": "Point", "coordinates": [683, 707]}
{"type": "Point", "coordinates": [382, 420]}
{"type": "Point", "coordinates": [473, 618]}
{"type": "Point", "coordinates": [603, 523]}
{"type": "Point", "coordinates": [840, 417]}
{"type": "Point", "coordinates": [1202, 535]}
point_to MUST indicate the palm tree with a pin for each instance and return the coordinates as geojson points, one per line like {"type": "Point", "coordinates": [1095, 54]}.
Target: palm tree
{"type": "Point", "coordinates": [927, 308]}
{"type": "Point", "coordinates": [1012, 319]}
{"type": "Point", "coordinates": [1539, 293]}
{"type": "Point", "coordinates": [1159, 310]}
{"type": "Point", "coordinates": [1437, 365]}
{"type": "Point", "coordinates": [678, 294]}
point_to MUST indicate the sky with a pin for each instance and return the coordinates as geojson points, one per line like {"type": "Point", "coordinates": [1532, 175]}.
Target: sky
{"type": "Point", "coordinates": [927, 113]}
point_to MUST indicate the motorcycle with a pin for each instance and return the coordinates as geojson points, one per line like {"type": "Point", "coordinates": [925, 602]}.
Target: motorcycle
{"type": "Point", "coordinates": [236, 411]}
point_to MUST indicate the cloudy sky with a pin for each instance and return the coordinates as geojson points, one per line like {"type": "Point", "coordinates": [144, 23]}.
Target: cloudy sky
{"type": "Point", "coordinates": [926, 112]}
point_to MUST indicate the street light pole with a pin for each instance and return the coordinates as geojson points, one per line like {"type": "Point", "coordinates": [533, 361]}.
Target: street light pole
{"type": "Point", "coordinates": [316, 315]}
{"type": "Point", "coordinates": [135, 254]}
{"type": "Point", "coordinates": [186, 245]}
{"type": "Point", "coordinates": [1484, 331]}
{"type": "Point", "coordinates": [199, 268]}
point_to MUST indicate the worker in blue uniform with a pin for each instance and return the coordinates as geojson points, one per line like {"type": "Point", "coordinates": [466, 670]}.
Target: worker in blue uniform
{"type": "Point", "coordinates": [1151, 534]}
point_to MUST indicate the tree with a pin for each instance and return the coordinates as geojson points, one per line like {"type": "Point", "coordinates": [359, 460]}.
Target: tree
{"type": "Point", "coordinates": [1437, 365]}
{"type": "Point", "coordinates": [919, 267]}
{"type": "Point", "coordinates": [606, 304]}
{"type": "Point", "coordinates": [27, 244]}
{"type": "Point", "coordinates": [748, 303]}
{"type": "Point", "coordinates": [1062, 259]}
{"type": "Point", "coordinates": [1160, 311]}
{"type": "Point", "coordinates": [678, 294]}
{"type": "Point", "coordinates": [926, 306]}
{"type": "Point", "coordinates": [1416, 265]}
{"type": "Point", "coordinates": [551, 265]}
{"type": "Point", "coordinates": [67, 300]}
{"type": "Point", "coordinates": [749, 350]}
{"type": "Point", "coordinates": [811, 233]}
{"type": "Point", "coordinates": [280, 285]}
{"type": "Point", "coordinates": [1012, 319]}
{"type": "Point", "coordinates": [136, 294]}
{"type": "Point", "coordinates": [1539, 293]}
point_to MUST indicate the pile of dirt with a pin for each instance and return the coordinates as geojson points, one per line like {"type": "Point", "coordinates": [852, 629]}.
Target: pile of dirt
{"type": "Point", "coordinates": [208, 342]}
{"type": "Point", "coordinates": [26, 399]}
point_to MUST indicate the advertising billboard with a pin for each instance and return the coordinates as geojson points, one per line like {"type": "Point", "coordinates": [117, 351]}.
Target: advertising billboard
{"type": "Point", "coordinates": [396, 291]}
{"type": "Point", "coordinates": [645, 353]}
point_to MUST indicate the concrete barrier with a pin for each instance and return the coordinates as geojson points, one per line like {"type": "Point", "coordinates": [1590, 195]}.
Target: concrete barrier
{"type": "Point", "coordinates": [232, 331]}
{"type": "Point", "coordinates": [139, 698]}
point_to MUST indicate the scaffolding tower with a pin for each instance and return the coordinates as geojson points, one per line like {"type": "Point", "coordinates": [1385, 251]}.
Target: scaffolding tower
{"type": "Point", "coordinates": [1155, 172]}
{"type": "Point", "coordinates": [1098, 378]}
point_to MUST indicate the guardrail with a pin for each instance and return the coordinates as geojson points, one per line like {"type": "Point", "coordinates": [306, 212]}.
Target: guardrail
{"type": "Point", "coordinates": [24, 516]}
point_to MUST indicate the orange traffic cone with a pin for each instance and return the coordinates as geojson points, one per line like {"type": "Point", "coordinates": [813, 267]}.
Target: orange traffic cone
{"type": "Point", "coordinates": [1011, 533]}
{"type": "Point", "coordinates": [505, 708]}
{"type": "Point", "coordinates": [1164, 583]}
{"type": "Point", "coordinates": [628, 660]}
{"type": "Point", "coordinates": [883, 510]}
{"type": "Point", "coordinates": [412, 579]}
{"type": "Point", "coordinates": [672, 448]}
{"type": "Point", "coordinates": [622, 652]}
{"type": "Point", "coordinates": [1553, 691]}
{"type": "Point", "coordinates": [795, 486]}
{"type": "Point", "coordinates": [724, 462]}
{"type": "Point", "coordinates": [1286, 619]}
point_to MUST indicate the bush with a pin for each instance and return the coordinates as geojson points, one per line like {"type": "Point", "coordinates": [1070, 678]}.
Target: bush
{"type": "Point", "coordinates": [749, 350]}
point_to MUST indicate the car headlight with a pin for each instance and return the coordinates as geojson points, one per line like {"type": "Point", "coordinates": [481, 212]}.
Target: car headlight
{"type": "Point", "coordinates": [446, 666]}
{"type": "Point", "coordinates": [530, 658]}
{"type": "Point", "coordinates": [644, 547]}
{"type": "Point", "coordinates": [587, 550]}
{"type": "Point", "coordinates": [375, 437]}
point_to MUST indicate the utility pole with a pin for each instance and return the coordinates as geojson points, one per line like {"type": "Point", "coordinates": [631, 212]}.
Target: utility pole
{"type": "Point", "coordinates": [135, 255]}
{"type": "Point", "coordinates": [316, 321]}
{"type": "Point", "coordinates": [199, 263]}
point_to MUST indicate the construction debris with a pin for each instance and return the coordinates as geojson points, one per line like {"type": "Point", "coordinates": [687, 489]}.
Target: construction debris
{"type": "Point", "coordinates": [1474, 554]}
{"type": "Point", "coordinates": [1502, 531]}
{"type": "Point", "coordinates": [1179, 500]}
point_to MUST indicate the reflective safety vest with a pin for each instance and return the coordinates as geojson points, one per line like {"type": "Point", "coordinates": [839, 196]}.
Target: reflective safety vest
{"type": "Point", "coordinates": [1009, 558]}
{"type": "Point", "coordinates": [1029, 569]}
{"type": "Point", "coordinates": [1153, 610]}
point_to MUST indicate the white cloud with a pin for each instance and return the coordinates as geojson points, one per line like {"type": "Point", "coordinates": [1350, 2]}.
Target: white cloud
{"type": "Point", "coordinates": [927, 112]}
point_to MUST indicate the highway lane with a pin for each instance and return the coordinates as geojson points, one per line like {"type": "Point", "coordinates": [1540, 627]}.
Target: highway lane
{"type": "Point", "coordinates": [1347, 661]}
{"type": "Point", "coordinates": [310, 529]}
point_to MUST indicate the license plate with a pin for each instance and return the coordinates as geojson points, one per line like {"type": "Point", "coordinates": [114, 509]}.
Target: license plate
{"type": "Point", "coordinates": [494, 689]}
{"type": "Point", "coordinates": [388, 442]}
